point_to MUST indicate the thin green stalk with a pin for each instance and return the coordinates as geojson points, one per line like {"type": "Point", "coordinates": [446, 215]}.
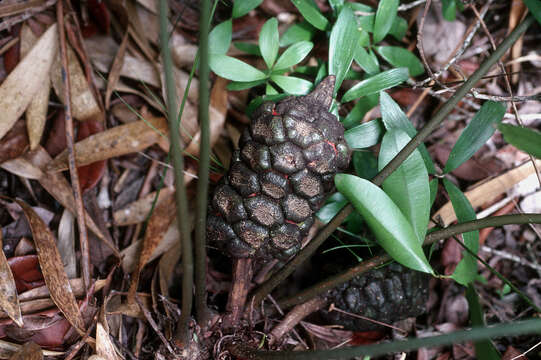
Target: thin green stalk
{"type": "Point", "coordinates": [305, 253]}
{"type": "Point", "coordinates": [181, 335]}
{"type": "Point", "coordinates": [475, 334]}
{"type": "Point", "coordinates": [431, 238]}
{"type": "Point", "coordinates": [204, 165]}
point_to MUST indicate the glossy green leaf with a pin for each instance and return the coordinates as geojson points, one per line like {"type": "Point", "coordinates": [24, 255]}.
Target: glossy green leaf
{"type": "Point", "coordinates": [399, 28]}
{"type": "Point", "coordinates": [233, 69]}
{"type": "Point", "coordinates": [302, 31]}
{"type": "Point", "coordinates": [243, 85]}
{"type": "Point", "coordinates": [270, 90]}
{"type": "Point", "coordinates": [293, 55]}
{"type": "Point", "coordinates": [377, 83]}
{"type": "Point", "coordinates": [329, 210]}
{"type": "Point", "coordinates": [433, 190]}
{"type": "Point", "coordinates": [311, 13]}
{"type": "Point", "coordinates": [466, 270]}
{"type": "Point", "coordinates": [365, 164]}
{"type": "Point", "coordinates": [385, 16]}
{"type": "Point", "coordinates": [342, 45]}
{"type": "Point", "coordinates": [292, 85]}
{"type": "Point", "coordinates": [535, 8]}
{"type": "Point", "coordinates": [243, 7]}
{"type": "Point", "coordinates": [247, 47]}
{"type": "Point", "coordinates": [364, 135]}
{"type": "Point", "coordinates": [400, 57]}
{"type": "Point", "coordinates": [449, 9]}
{"type": "Point", "coordinates": [392, 230]}
{"type": "Point", "coordinates": [522, 138]}
{"type": "Point", "coordinates": [408, 185]}
{"type": "Point", "coordinates": [362, 106]}
{"type": "Point", "coordinates": [393, 117]}
{"type": "Point", "coordinates": [336, 5]}
{"type": "Point", "coordinates": [366, 61]}
{"type": "Point", "coordinates": [484, 350]}
{"type": "Point", "coordinates": [476, 134]}
{"type": "Point", "coordinates": [268, 41]}
{"type": "Point", "coordinates": [220, 37]}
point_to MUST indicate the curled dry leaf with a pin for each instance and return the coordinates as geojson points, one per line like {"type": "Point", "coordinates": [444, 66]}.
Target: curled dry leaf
{"type": "Point", "coordinates": [9, 302]}
{"type": "Point", "coordinates": [117, 141]}
{"type": "Point", "coordinates": [104, 346]}
{"type": "Point", "coordinates": [29, 351]}
{"type": "Point", "coordinates": [53, 269]}
{"type": "Point", "coordinates": [21, 85]}
{"type": "Point", "coordinates": [36, 113]}
{"type": "Point", "coordinates": [66, 243]}
{"type": "Point", "coordinates": [114, 74]}
{"type": "Point", "coordinates": [14, 143]}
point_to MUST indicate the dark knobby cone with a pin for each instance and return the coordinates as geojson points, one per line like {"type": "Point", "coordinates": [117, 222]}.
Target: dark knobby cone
{"type": "Point", "coordinates": [387, 295]}
{"type": "Point", "coordinates": [279, 177]}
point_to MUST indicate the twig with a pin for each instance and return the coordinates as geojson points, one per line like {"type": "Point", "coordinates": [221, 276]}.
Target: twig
{"type": "Point", "coordinates": [347, 313]}
{"type": "Point", "coordinates": [406, 7]}
{"type": "Point", "coordinates": [74, 176]}
{"type": "Point", "coordinates": [507, 256]}
{"type": "Point", "coordinates": [240, 285]}
{"type": "Point", "coordinates": [512, 99]}
{"type": "Point", "coordinates": [28, 13]}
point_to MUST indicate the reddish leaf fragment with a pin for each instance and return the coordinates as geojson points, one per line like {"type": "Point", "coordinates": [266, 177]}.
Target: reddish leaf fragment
{"type": "Point", "coordinates": [90, 175]}
{"type": "Point", "coordinates": [14, 143]}
{"type": "Point", "coordinates": [12, 56]}
{"type": "Point", "coordinates": [29, 351]}
{"type": "Point", "coordinates": [56, 142]}
{"type": "Point", "coordinates": [99, 14]}
{"type": "Point", "coordinates": [26, 272]}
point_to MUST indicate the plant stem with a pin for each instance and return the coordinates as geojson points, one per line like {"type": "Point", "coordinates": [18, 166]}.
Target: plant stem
{"type": "Point", "coordinates": [204, 165]}
{"type": "Point", "coordinates": [324, 233]}
{"type": "Point", "coordinates": [431, 238]}
{"type": "Point", "coordinates": [181, 336]}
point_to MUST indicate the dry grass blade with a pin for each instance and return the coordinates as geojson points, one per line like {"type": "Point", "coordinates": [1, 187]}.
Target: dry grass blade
{"type": "Point", "coordinates": [53, 269]}
{"type": "Point", "coordinates": [118, 141]}
{"type": "Point", "coordinates": [114, 74]}
{"type": "Point", "coordinates": [104, 347]}
{"type": "Point", "coordinates": [9, 302]}
{"type": "Point", "coordinates": [22, 84]}
{"type": "Point", "coordinates": [29, 351]}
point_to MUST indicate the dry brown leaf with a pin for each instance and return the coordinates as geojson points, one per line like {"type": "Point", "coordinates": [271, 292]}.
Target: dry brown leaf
{"type": "Point", "coordinates": [104, 347]}
{"type": "Point", "coordinates": [53, 269]}
{"type": "Point", "coordinates": [77, 286]}
{"type": "Point", "coordinates": [22, 84]}
{"type": "Point", "coordinates": [137, 211]}
{"type": "Point", "coordinates": [518, 8]}
{"type": "Point", "coordinates": [182, 52]}
{"type": "Point", "coordinates": [23, 168]}
{"type": "Point", "coordinates": [57, 186]}
{"type": "Point", "coordinates": [487, 191]}
{"type": "Point", "coordinates": [117, 141]}
{"type": "Point", "coordinates": [167, 265]}
{"type": "Point", "coordinates": [160, 220]}
{"type": "Point", "coordinates": [29, 351]}
{"type": "Point", "coordinates": [217, 113]}
{"type": "Point", "coordinates": [83, 104]}
{"type": "Point", "coordinates": [66, 243]}
{"type": "Point", "coordinates": [7, 349]}
{"type": "Point", "coordinates": [36, 113]}
{"type": "Point", "coordinates": [9, 302]}
{"type": "Point", "coordinates": [114, 74]}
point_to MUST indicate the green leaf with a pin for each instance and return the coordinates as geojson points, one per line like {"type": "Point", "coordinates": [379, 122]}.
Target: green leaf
{"type": "Point", "coordinates": [484, 350]}
{"type": "Point", "coordinates": [342, 43]}
{"type": "Point", "coordinates": [292, 85]}
{"type": "Point", "coordinates": [535, 8]}
{"type": "Point", "coordinates": [220, 37]}
{"type": "Point", "coordinates": [364, 135]}
{"type": "Point", "coordinates": [476, 133]}
{"type": "Point", "coordinates": [243, 85]}
{"type": "Point", "coordinates": [336, 5]}
{"type": "Point", "coordinates": [385, 16]}
{"type": "Point", "coordinates": [365, 164]}
{"type": "Point", "coordinates": [522, 138]}
{"type": "Point", "coordinates": [311, 13]}
{"type": "Point", "coordinates": [329, 210]}
{"type": "Point", "coordinates": [393, 117]}
{"type": "Point", "coordinates": [243, 7]}
{"type": "Point", "coordinates": [293, 55]}
{"type": "Point", "coordinates": [302, 31]}
{"type": "Point", "coordinates": [268, 41]}
{"type": "Point", "coordinates": [376, 83]}
{"type": "Point", "coordinates": [400, 57]}
{"type": "Point", "coordinates": [408, 185]}
{"type": "Point", "coordinates": [433, 190]}
{"type": "Point", "coordinates": [399, 28]}
{"type": "Point", "coordinates": [247, 47]}
{"type": "Point", "coordinates": [392, 230]}
{"type": "Point", "coordinates": [366, 61]}
{"type": "Point", "coordinates": [466, 270]}
{"type": "Point", "coordinates": [360, 109]}
{"type": "Point", "coordinates": [233, 69]}
{"type": "Point", "coordinates": [449, 9]}
{"type": "Point", "coordinates": [270, 90]}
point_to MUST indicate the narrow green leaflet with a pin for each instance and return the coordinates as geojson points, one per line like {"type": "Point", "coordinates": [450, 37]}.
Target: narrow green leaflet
{"type": "Point", "coordinates": [400, 57]}
{"type": "Point", "coordinates": [365, 164]}
{"type": "Point", "coordinates": [449, 9]}
{"type": "Point", "coordinates": [243, 7]}
{"type": "Point", "coordinates": [365, 104]}
{"type": "Point", "coordinates": [292, 85]}
{"type": "Point", "coordinates": [466, 270]}
{"type": "Point", "coordinates": [302, 31]}
{"type": "Point", "coordinates": [484, 349]}
{"type": "Point", "coordinates": [329, 210]}
{"type": "Point", "coordinates": [377, 83]}
{"type": "Point", "coordinates": [522, 138]}
{"type": "Point", "coordinates": [270, 90]}
{"type": "Point", "coordinates": [364, 135]}
{"type": "Point", "coordinates": [243, 85]}
{"type": "Point", "coordinates": [408, 185]}
{"type": "Point", "coordinates": [476, 133]}
{"type": "Point", "coordinates": [385, 16]}
{"type": "Point", "coordinates": [268, 41]}
{"type": "Point", "coordinates": [311, 13]}
{"type": "Point", "coordinates": [368, 63]}
{"type": "Point", "coordinates": [399, 28]}
{"type": "Point", "coordinates": [233, 69]}
{"type": "Point", "coordinates": [535, 8]}
{"type": "Point", "coordinates": [393, 117]}
{"type": "Point", "coordinates": [392, 230]}
{"type": "Point", "coordinates": [247, 47]}
{"type": "Point", "coordinates": [342, 44]}
{"type": "Point", "coordinates": [220, 37]}
{"type": "Point", "coordinates": [433, 190]}
{"type": "Point", "coordinates": [293, 55]}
